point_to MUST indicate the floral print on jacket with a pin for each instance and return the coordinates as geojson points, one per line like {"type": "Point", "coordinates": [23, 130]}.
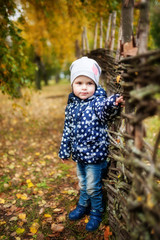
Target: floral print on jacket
{"type": "Point", "coordinates": [84, 135]}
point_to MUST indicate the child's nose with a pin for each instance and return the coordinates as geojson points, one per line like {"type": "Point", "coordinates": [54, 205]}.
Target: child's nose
{"type": "Point", "coordinates": [84, 86]}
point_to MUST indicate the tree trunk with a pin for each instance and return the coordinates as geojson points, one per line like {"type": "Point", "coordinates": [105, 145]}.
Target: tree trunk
{"type": "Point", "coordinates": [77, 49]}
{"type": "Point", "coordinates": [113, 30]}
{"type": "Point", "coordinates": [127, 30]}
{"type": "Point", "coordinates": [143, 27]}
{"type": "Point", "coordinates": [108, 31]}
{"type": "Point", "coordinates": [39, 72]}
{"type": "Point", "coordinates": [95, 36]}
{"type": "Point", "coordinates": [101, 34]}
{"type": "Point", "coordinates": [127, 20]}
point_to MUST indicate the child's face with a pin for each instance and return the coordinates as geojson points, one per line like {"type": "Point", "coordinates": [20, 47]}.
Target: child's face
{"type": "Point", "coordinates": [83, 87]}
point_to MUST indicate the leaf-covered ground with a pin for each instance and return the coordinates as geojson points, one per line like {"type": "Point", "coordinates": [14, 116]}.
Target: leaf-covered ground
{"type": "Point", "coordinates": [36, 190]}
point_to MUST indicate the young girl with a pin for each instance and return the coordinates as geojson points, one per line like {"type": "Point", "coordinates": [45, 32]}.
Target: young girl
{"type": "Point", "coordinates": [85, 136]}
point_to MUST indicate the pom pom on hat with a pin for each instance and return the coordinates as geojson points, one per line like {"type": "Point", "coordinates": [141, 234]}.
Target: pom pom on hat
{"type": "Point", "coordinates": [85, 67]}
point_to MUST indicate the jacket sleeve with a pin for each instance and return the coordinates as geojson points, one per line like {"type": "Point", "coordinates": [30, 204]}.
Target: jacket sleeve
{"type": "Point", "coordinates": [65, 148]}
{"type": "Point", "coordinates": [106, 109]}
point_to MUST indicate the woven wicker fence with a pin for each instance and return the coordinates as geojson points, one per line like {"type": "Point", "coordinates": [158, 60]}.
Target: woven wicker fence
{"type": "Point", "coordinates": [133, 183]}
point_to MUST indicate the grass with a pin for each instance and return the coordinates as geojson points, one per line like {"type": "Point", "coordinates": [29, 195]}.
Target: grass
{"type": "Point", "coordinates": [152, 126]}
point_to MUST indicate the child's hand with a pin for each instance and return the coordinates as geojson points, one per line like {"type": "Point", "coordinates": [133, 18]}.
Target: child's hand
{"type": "Point", "coordinates": [64, 160]}
{"type": "Point", "coordinates": [120, 100]}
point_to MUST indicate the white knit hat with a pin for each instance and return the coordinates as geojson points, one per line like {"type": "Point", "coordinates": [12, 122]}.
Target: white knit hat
{"type": "Point", "coordinates": [85, 67]}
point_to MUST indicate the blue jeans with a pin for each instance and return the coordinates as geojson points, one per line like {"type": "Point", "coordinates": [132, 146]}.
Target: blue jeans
{"type": "Point", "coordinates": [90, 182]}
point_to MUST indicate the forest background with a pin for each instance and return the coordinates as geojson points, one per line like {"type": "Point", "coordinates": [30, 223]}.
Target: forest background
{"type": "Point", "coordinates": [39, 38]}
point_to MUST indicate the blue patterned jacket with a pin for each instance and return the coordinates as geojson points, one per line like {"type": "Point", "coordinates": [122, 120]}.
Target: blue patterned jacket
{"type": "Point", "coordinates": [84, 134]}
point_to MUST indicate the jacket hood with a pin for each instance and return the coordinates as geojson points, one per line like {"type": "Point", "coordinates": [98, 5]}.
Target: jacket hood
{"type": "Point", "coordinates": [99, 92]}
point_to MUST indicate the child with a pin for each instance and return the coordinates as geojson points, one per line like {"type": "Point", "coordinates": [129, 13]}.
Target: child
{"type": "Point", "coordinates": [85, 136]}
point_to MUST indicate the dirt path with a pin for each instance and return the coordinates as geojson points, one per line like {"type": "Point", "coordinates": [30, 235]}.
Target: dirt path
{"type": "Point", "coordinates": [36, 190]}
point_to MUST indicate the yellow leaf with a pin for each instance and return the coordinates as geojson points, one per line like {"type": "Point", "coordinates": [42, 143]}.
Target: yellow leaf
{"type": "Point", "coordinates": [28, 180]}
{"type": "Point", "coordinates": [118, 78]}
{"type": "Point", "coordinates": [2, 222]}
{"type": "Point", "coordinates": [2, 201]}
{"type": "Point", "coordinates": [55, 154]}
{"type": "Point", "coordinates": [34, 228]}
{"type": "Point", "coordinates": [48, 157]}
{"type": "Point", "coordinates": [20, 230]}
{"type": "Point", "coordinates": [21, 196]}
{"type": "Point", "coordinates": [24, 197]}
{"type": "Point", "coordinates": [43, 163]}
{"type": "Point", "coordinates": [22, 216]}
{"type": "Point", "coordinates": [139, 199]}
{"type": "Point", "coordinates": [86, 220]}
{"type": "Point", "coordinates": [18, 195]}
{"type": "Point", "coordinates": [30, 185]}
{"type": "Point", "coordinates": [47, 215]}
{"type": "Point", "coordinates": [150, 202]}
{"type": "Point", "coordinates": [37, 153]}
{"type": "Point", "coordinates": [29, 163]}
{"type": "Point", "coordinates": [52, 173]}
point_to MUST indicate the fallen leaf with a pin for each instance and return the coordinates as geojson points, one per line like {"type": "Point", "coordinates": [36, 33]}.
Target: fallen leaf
{"type": "Point", "coordinates": [34, 228]}
{"type": "Point", "coordinates": [56, 210]}
{"type": "Point", "coordinates": [13, 219]}
{"type": "Point", "coordinates": [37, 153]}
{"type": "Point", "coordinates": [107, 233]}
{"type": "Point", "coordinates": [41, 211]}
{"type": "Point", "coordinates": [20, 224]}
{"type": "Point", "coordinates": [20, 230]}
{"type": "Point", "coordinates": [118, 78]}
{"type": "Point", "coordinates": [61, 218]}
{"type": "Point", "coordinates": [22, 216]}
{"type": "Point", "coordinates": [86, 220]}
{"type": "Point", "coordinates": [40, 236]}
{"type": "Point", "coordinates": [2, 201]}
{"type": "Point", "coordinates": [47, 215]}
{"type": "Point", "coordinates": [22, 196]}
{"type": "Point", "coordinates": [2, 222]}
{"type": "Point", "coordinates": [57, 227]}
{"type": "Point", "coordinates": [30, 184]}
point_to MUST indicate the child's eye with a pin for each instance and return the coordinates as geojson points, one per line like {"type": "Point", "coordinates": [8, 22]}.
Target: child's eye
{"type": "Point", "coordinates": [90, 83]}
{"type": "Point", "coordinates": [79, 83]}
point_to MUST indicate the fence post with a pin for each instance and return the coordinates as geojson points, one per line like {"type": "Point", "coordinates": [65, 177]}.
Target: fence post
{"type": "Point", "coordinates": [127, 22]}
{"type": "Point", "coordinates": [142, 48]}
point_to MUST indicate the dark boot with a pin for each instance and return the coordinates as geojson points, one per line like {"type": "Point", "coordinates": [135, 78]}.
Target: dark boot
{"type": "Point", "coordinates": [78, 212]}
{"type": "Point", "coordinates": [95, 220]}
